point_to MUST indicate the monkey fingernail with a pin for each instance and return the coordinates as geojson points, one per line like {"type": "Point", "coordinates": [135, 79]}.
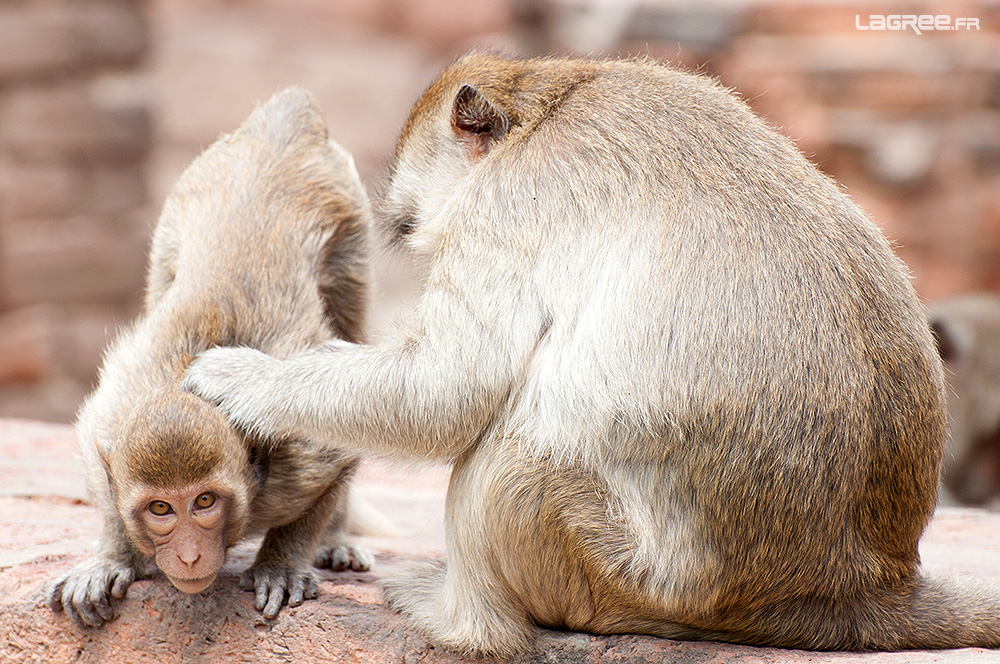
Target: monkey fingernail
{"type": "Point", "coordinates": [105, 611]}
{"type": "Point", "coordinates": [55, 600]}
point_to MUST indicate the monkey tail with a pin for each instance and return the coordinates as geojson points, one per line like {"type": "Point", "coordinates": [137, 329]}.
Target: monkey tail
{"type": "Point", "coordinates": [365, 519]}
{"type": "Point", "coordinates": [946, 613]}
{"type": "Point", "coordinates": [925, 614]}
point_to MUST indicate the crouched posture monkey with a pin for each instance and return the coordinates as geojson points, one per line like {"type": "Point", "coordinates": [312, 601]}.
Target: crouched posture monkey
{"type": "Point", "coordinates": [686, 386]}
{"type": "Point", "coordinates": [262, 243]}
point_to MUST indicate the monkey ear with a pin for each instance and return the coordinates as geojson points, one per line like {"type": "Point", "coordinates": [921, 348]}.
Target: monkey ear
{"type": "Point", "coordinates": [104, 454]}
{"type": "Point", "coordinates": [477, 122]}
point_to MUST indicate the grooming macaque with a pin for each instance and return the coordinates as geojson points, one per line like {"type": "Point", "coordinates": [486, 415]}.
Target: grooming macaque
{"type": "Point", "coordinates": [262, 243]}
{"type": "Point", "coordinates": [968, 334]}
{"type": "Point", "coordinates": [686, 386]}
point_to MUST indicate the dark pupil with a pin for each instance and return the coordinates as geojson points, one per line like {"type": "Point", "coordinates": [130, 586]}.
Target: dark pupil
{"type": "Point", "coordinates": [205, 499]}
{"type": "Point", "coordinates": [159, 508]}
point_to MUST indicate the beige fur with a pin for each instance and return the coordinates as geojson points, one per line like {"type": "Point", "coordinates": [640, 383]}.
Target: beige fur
{"type": "Point", "coordinates": [686, 385]}
{"type": "Point", "coordinates": [263, 244]}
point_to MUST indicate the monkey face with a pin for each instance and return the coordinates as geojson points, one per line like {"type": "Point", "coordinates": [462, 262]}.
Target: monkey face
{"type": "Point", "coordinates": [186, 531]}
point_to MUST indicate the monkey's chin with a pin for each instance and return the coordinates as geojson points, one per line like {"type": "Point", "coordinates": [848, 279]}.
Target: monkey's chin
{"type": "Point", "coordinates": [192, 586]}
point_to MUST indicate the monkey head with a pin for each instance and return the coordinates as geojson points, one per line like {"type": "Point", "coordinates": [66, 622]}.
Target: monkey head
{"type": "Point", "coordinates": [182, 483]}
{"type": "Point", "coordinates": [453, 126]}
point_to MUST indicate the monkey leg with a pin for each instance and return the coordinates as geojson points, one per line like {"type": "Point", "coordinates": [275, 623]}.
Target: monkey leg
{"type": "Point", "coordinates": [336, 551]}
{"type": "Point", "coordinates": [533, 543]}
{"type": "Point", "coordinates": [281, 574]}
{"type": "Point", "coordinates": [462, 604]}
{"type": "Point", "coordinates": [283, 570]}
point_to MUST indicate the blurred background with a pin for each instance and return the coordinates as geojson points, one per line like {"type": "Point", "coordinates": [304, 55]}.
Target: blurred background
{"type": "Point", "coordinates": [104, 102]}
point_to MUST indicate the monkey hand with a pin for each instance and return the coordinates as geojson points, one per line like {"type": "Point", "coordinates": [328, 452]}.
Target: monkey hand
{"type": "Point", "coordinates": [236, 380]}
{"type": "Point", "coordinates": [87, 590]}
{"type": "Point", "coordinates": [274, 583]}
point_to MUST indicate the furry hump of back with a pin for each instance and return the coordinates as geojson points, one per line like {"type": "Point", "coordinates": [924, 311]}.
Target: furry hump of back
{"type": "Point", "coordinates": [686, 385]}
{"type": "Point", "coordinates": [262, 242]}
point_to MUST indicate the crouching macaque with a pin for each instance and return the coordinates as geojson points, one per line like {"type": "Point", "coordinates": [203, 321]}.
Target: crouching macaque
{"type": "Point", "coordinates": [262, 243]}
{"type": "Point", "coordinates": [968, 334]}
{"type": "Point", "coordinates": [685, 383]}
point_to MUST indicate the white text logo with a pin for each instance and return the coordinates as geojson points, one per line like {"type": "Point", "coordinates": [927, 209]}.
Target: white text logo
{"type": "Point", "coordinates": [917, 23]}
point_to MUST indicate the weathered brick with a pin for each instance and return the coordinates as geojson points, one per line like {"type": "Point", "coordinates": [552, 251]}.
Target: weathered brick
{"type": "Point", "coordinates": [81, 259]}
{"type": "Point", "coordinates": [52, 400]}
{"type": "Point", "coordinates": [812, 18]}
{"type": "Point", "coordinates": [447, 21]}
{"type": "Point", "coordinates": [39, 190]}
{"type": "Point", "coordinates": [33, 41]}
{"type": "Point", "coordinates": [46, 38]}
{"type": "Point", "coordinates": [46, 122]}
{"type": "Point", "coordinates": [49, 355]}
{"type": "Point", "coordinates": [108, 32]}
{"type": "Point", "coordinates": [107, 189]}
{"type": "Point", "coordinates": [28, 344]}
{"type": "Point", "coordinates": [88, 330]}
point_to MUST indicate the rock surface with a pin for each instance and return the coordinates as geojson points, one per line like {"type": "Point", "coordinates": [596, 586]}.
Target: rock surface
{"type": "Point", "coordinates": [46, 525]}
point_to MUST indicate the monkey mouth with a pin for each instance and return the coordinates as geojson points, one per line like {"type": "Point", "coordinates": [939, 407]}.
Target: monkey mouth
{"type": "Point", "coordinates": [192, 586]}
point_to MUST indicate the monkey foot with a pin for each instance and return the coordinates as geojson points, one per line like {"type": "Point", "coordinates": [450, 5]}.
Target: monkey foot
{"type": "Point", "coordinates": [344, 557]}
{"type": "Point", "coordinates": [275, 585]}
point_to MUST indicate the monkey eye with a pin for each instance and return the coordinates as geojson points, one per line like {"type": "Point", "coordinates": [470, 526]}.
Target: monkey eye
{"type": "Point", "coordinates": [160, 508]}
{"type": "Point", "coordinates": [404, 226]}
{"type": "Point", "coordinates": [205, 500]}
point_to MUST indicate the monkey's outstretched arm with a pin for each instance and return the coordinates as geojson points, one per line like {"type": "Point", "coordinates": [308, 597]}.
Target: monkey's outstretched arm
{"type": "Point", "coordinates": [428, 394]}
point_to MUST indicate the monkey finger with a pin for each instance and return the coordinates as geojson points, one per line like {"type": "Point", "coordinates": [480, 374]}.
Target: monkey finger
{"type": "Point", "coordinates": [339, 559]}
{"type": "Point", "coordinates": [275, 601]}
{"type": "Point", "coordinates": [321, 559]}
{"type": "Point", "coordinates": [303, 586]}
{"type": "Point", "coordinates": [262, 594]}
{"type": "Point", "coordinates": [122, 581]}
{"type": "Point", "coordinates": [297, 589]}
{"type": "Point", "coordinates": [102, 606]}
{"type": "Point", "coordinates": [362, 560]}
{"type": "Point", "coordinates": [74, 615]}
{"type": "Point", "coordinates": [86, 614]}
{"type": "Point", "coordinates": [312, 587]}
{"type": "Point", "coordinates": [56, 595]}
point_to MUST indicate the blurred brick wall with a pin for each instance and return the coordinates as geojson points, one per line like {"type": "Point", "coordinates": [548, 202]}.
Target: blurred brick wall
{"type": "Point", "coordinates": [74, 135]}
{"type": "Point", "coordinates": [908, 123]}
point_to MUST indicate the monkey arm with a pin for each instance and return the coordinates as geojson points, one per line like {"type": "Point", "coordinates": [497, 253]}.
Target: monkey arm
{"type": "Point", "coordinates": [429, 393]}
{"type": "Point", "coordinates": [283, 569]}
{"type": "Point", "coordinates": [86, 592]}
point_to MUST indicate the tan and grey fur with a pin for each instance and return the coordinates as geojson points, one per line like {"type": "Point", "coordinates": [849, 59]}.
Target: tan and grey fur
{"type": "Point", "coordinates": [261, 243]}
{"type": "Point", "coordinates": [687, 387]}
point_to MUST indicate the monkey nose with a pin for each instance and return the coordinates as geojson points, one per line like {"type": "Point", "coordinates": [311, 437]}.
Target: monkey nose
{"type": "Point", "coordinates": [189, 558]}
